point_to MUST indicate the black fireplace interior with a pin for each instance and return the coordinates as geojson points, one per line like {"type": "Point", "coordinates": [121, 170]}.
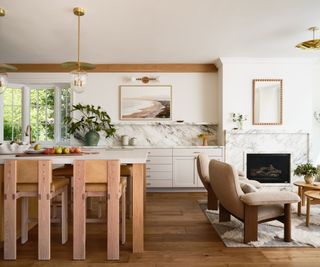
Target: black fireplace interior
{"type": "Point", "coordinates": [269, 168]}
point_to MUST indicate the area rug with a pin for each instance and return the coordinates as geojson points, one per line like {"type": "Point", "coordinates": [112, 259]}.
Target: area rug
{"type": "Point", "coordinates": [270, 234]}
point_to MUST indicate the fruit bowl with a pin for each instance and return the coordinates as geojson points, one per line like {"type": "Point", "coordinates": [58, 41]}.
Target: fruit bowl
{"type": "Point", "coordinates": [7, 148]}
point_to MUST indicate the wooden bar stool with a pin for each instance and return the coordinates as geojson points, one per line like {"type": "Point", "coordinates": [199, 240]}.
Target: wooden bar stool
{"type": "Point", "coordinates": [95, 178]}
{"type": "Point", "coordinates": [125, 171]}
{"type": "Point", "coordinates": [31, 178]}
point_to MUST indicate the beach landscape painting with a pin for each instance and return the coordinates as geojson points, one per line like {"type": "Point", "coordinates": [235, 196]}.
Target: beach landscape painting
{"type": "Point", "coordinates": [145, 102]}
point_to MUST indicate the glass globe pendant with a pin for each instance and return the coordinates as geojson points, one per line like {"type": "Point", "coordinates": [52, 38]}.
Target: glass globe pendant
{"type": "Point", "coordinates": [3, 82]}
{"type": "Point", "coordinates": [78, 81]}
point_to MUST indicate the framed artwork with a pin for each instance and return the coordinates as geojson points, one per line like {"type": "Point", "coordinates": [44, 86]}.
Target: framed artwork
{"type": "Point", "coordinates": [145, 102]}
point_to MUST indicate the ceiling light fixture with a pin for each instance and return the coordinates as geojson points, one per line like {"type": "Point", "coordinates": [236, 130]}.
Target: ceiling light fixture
{"type": "Point", "coordinates": [310, 44]}
{"type": "Point", "coordinates": [78, 74]}
{"type": "Point", "coordinates": [4, 68]}
{"type": "Point", "coordinates": [145, 79]}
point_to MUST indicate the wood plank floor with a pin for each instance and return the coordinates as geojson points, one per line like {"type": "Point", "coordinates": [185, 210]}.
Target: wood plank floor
{"type": "Point", "coordinates": [177, 233]}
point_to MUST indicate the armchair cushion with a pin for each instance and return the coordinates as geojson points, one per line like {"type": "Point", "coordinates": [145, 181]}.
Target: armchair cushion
{"type": "Point", "coordinates": [255, 183]}
{"type": "Point", "coordinates": [269, 198]}
{"type": "Point", "coordinates": [247, 188]}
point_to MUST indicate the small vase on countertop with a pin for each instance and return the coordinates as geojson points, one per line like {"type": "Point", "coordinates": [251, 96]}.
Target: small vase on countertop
{"type": "Point", "coordinates": [133, 141]}
{"type": "Point", "coordinates": [124, 140]}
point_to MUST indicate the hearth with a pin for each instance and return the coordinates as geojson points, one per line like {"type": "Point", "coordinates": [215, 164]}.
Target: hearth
{"type": "Point", "coordinates": [269, 168]}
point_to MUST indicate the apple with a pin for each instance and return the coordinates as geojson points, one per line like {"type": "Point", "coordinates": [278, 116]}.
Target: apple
{"type": "Point", "coordinates": [37, 147]}
{"type": "Point", "coordinates": [58, 150]}
{"type": "Point", "coordinates": [71, 149]}
{"type": "Point", "coordinates": [65, 150]}
{"type": "Point", "coordinates": [77, 150]}
{"type": "Point", "coordinates": [47, 151]}
{"type": "Point", "coordinates": [51, 150]}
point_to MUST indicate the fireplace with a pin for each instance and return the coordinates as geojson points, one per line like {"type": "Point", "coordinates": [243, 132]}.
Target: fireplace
{"type": "Point", "coordinates": [269, 168]}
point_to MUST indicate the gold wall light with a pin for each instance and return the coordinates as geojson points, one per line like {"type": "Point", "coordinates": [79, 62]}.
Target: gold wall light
{"type": "Point", "coordinates": [145, 79]}
{"type": "Point", "coordinates": [310, 44]}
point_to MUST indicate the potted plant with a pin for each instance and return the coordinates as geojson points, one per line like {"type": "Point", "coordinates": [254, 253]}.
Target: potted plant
{"type": "Point", "coordinates": [239, 118]}
{"type": "Point", "coordinates": [92, 120]}
{"type": "Point", "coordinates": [308, 171]}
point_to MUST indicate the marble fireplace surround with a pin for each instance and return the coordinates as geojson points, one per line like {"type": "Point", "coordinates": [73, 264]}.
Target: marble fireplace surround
{"type": "Point", "coordinates": [240, 142]}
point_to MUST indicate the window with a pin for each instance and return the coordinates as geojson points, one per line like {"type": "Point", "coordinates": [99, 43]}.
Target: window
{"type": "Point", "coordinates": [42, 107]}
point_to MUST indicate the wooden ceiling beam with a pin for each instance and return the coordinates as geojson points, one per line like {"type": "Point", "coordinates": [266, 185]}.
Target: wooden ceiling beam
{"type": "Point", "coordinates": [100, 68]}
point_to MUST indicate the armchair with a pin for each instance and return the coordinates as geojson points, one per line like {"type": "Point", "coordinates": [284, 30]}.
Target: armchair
{"type": "Point", "coordinates": [252, 208]}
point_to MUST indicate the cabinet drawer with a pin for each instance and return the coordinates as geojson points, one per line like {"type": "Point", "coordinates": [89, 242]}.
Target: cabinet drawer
{"type": "Point", "coordinates": [159, 175]}
{"type": "Point", "coordinates": [159, 183]}
{"type": "Point", "coordinates": [159, 160]}
{"type": "Point", "coordinates": [159, 168]}
{"type": "Point", "coordinates": [211, 152]}
{"type": "Point", "coordinates": [162, 152]}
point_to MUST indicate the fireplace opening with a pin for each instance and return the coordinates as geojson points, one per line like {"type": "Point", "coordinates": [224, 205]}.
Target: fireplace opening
{"type": "Point", "coordinates": [269, 168]}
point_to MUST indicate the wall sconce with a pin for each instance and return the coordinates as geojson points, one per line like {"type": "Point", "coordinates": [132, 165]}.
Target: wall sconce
{"type": "Point", "coordinates": [145, 79]}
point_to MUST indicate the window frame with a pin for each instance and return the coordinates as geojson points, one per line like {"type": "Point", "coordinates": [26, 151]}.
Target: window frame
{"type": "Point", "coordinates": [25, 110]}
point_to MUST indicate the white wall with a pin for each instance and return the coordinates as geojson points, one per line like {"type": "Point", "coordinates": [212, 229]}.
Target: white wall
{"type": "Point", "coordinates": [195, 95]}
{"type": "Point", "coordinates": [298, 84]}
{"type": "Point", "coordinates": [315, 149]}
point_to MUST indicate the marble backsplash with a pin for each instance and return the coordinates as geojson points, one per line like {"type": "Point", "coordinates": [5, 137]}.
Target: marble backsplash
{"type": "Point", "coordinates": [163, 134]}
{"type": "Point", "coordinates": [239, 143]}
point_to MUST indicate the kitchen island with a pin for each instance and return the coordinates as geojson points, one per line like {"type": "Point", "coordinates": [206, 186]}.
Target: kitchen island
{"type": "Point", "coordinates": [135, 158]}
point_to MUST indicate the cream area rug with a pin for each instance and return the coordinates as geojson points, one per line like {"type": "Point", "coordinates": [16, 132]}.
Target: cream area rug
{"type": "Point", "coordinates": [270, 234]}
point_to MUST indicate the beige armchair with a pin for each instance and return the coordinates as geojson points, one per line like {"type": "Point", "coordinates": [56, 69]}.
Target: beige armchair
{"type": "Point", "coordinates": [251, 208]}
{"type": "Point", "coordinates": [203, 171]}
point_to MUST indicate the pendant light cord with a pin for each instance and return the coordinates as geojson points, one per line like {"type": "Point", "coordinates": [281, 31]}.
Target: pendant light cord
{"type": "Point", "coordinates": [78, 43]}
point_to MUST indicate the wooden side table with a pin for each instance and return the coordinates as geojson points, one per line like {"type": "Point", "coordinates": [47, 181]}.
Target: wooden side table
{"type": "Point", "coordinates": [313, 197]}
{"type": "Point", "coordinates": [302, 188]}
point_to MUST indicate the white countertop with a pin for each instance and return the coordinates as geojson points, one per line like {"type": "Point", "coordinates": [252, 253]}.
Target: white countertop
{"type": "Point", "coordinates": [148, 147]}
{"type": "Point", "coordinates": [125, 157]}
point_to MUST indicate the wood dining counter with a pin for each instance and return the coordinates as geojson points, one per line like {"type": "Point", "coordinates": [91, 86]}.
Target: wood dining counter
{"type": "Point", "coordinates": [137, 159]}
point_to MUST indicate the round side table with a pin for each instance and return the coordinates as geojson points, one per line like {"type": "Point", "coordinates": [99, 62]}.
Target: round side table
{"type": "Point", "coordinates": [313, 197]}
{"type": "Point", "coordinates": [303, 187]}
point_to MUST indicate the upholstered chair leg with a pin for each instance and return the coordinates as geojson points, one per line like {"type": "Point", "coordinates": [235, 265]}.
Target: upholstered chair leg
{"type": "Point", "coordinates": [212, 200]}
{"type": "Point", "coordinates": [287, 222]}
{"type": "Point", "coordinates": [250, 223]}
{"type": "Point", "coordinates": [224, 215]}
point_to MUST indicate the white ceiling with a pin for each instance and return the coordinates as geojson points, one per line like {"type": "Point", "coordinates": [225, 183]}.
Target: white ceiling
{"type": "Point", "coordinates": [155, 31]}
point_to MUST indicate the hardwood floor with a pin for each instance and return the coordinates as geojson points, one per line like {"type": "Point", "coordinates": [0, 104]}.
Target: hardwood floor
{"type": "Point", "coordinates": [177, 233]}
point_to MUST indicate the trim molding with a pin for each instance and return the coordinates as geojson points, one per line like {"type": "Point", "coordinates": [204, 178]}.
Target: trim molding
{"type": "Point", "coordinates": [122, 68]}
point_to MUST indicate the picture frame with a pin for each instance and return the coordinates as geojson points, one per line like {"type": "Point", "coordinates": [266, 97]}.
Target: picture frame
{"type": "Point", "coordinates": [145, 102]}
{"type": "Point", "coordinates": [267, 101]}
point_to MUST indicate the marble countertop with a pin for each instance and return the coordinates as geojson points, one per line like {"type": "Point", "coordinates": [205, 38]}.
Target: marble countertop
{"type": "Point", "coordinates": [147, 147]}
{"type": "Point", "coordinates": [125, 157]}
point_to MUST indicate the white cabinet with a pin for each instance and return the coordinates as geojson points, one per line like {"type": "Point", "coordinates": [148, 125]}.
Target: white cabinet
{"type": "Point", "coordinates": [167, 167]}
{"type": "Point", "coordinates": [185, 173]}
{"type": "Point", "coordinates": [159, 168]}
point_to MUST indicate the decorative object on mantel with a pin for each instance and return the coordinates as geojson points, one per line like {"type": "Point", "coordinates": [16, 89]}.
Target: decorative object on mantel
{"type": "Point", "coordinates": [267, 101]}
{"type": "Point", "coordinates": [308, 170]}
{"type": "Point", "coordinates": [310, 44]}
{"type": "Point", "coordinates": [4, 68]}
{"type": "Point", "coordinates": [238, 118]}
{"type": "Point", "coordinates": [204, 137]}
{"type": "Point", "coordinates": [145, 79]}
{"type": "Point", "coordinates": [92, 121]}
{"type": "Point", "coordinates": [78, 74]}
{"type": "Point", "coordinates": [145, 102]}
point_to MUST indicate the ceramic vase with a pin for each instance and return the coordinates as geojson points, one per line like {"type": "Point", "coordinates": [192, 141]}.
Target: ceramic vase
{"type": "Point", "coordinates": [309, 179]}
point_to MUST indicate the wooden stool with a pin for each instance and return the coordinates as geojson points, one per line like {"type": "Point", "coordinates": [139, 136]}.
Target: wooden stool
{"type": "Point", "coordinates": [313, 197]}
{"type": "Point", "coordinates": [31, 178]}
{"type": "Point", "coordinates": [125, 171]}
{"type": "Point", "coordinates": [92, 178]}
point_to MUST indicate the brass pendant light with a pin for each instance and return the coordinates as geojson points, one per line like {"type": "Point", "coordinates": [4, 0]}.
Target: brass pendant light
{"type": "Point", "coordinates": [313, 44]}
{"type": "Point", "coordinates": [4, 68]}
{"type": "Point", "coordinates": [78, 74]}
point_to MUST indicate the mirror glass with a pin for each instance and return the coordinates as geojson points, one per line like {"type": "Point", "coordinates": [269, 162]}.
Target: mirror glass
{"type": "Point", "coordinates": [267, 102]}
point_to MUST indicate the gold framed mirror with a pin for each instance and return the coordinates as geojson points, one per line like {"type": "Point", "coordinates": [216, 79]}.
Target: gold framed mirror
{"type": "Point", "coordinates": [267, 102]}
